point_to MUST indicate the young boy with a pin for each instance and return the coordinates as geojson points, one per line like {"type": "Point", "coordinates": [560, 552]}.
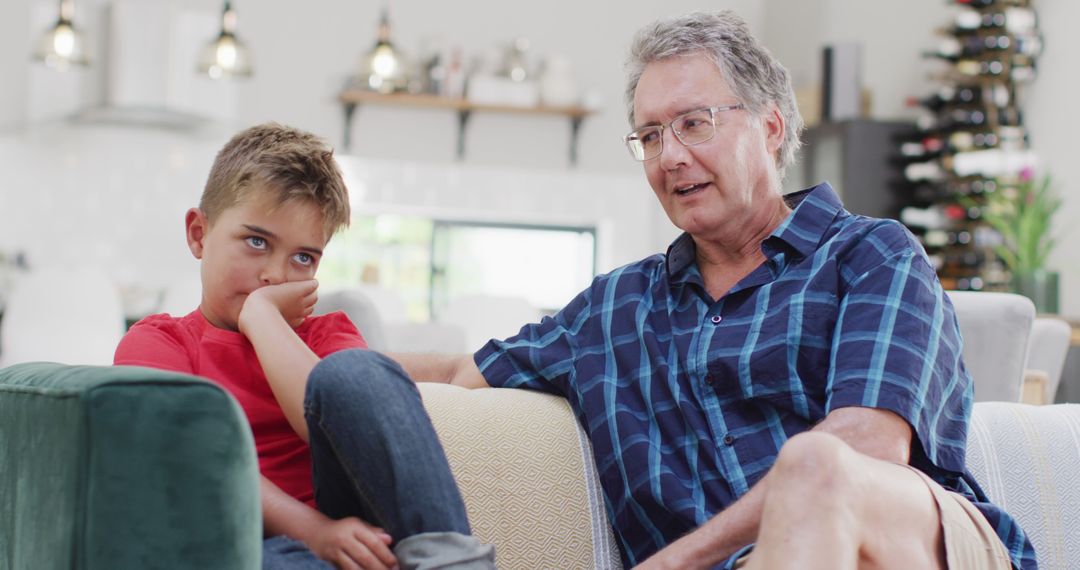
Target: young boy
{"type": "Point", "coordinates": [337, 429]}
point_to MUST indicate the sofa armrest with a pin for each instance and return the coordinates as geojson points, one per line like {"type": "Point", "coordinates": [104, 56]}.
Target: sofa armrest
{"type": "Point", "coordinates": [525, 469]}
{"type": "Point", "coordinates": [1026, 459]}
{"type": "Point", "coordinates": [124, 467]}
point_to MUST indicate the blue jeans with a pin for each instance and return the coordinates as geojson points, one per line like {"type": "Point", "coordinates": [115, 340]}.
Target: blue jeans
{"type": "Point", "coordinates": [375, 455]}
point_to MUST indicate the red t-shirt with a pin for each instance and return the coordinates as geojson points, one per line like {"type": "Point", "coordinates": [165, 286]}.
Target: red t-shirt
{"type": "Point", "coordinates": [193, 346]}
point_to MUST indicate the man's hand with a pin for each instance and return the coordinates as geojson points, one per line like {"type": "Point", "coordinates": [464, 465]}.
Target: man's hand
{"type": "Point", "coordinates": [351, 544]}
{"type": "Point", "coordinates": [294, 300]}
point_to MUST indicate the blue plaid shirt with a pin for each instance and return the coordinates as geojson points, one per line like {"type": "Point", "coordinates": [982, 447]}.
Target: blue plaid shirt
{"type": "Point", "coordinates": [688, 400]}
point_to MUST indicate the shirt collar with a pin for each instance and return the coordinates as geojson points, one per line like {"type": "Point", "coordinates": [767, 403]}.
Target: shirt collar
{"type": "Point", "coordinates": [813, 212]}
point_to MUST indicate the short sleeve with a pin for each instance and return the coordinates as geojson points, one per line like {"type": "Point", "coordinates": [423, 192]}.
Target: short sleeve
{"type": "Point", "coordinates": [897, 347]}
{"type": "Point", "coordinates": [330, 333]}
{"type": "Point", "coordinates": [541, 356]}
{"type": "Point", "coordinates": [158, 341]}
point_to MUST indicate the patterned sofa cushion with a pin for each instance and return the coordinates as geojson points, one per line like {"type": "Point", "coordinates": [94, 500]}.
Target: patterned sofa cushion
{"type": "Point", "coordinates": [1027, 459]}
{"type": "Point", "coordinates": [526, 472]}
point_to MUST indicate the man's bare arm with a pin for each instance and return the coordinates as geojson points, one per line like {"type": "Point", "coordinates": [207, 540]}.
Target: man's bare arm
{"type": "Point", "coordinates": [874, 432]}
{"type": "Point", "coordinates": [456, 369]}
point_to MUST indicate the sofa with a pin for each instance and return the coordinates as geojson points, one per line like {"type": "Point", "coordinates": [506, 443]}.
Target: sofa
{"type": "Point", "coordinates": [116, 468]}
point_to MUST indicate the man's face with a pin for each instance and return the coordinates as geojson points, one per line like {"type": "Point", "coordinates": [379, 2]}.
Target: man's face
{"type": "Point", "coordinates": [250, 245]}
{"type": "Point", "coordinates": [718, 184]}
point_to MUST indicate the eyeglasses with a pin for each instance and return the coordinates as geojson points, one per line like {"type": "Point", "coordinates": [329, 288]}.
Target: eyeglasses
{"type": "Point", "coordinates": [690, 128]}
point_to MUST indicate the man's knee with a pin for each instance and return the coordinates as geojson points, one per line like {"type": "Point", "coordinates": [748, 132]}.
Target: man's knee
{"type": "Point", "coordinates": [358, 374]}
{"type": "Point", "coordinates": [820, 461]}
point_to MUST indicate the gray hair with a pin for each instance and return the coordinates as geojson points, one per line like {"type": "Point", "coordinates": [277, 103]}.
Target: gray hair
{"type": "Point", "coordinates": [753, 74]}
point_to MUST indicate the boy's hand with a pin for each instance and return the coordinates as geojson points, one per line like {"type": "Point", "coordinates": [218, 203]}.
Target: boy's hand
{"type": "Point", "coordinates": [352, 544]}
{"type": "Point", "coordinates": [294, 300]}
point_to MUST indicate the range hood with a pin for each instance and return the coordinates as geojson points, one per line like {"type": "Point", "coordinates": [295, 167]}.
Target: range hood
{"type": "Point", "coordinates": [144, 70]}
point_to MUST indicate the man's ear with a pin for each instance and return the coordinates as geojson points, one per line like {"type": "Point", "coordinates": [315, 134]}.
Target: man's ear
{"type": "Point", "coordinates": [197, 227]}
{"type": "Point", "coordinates": [775, 128]}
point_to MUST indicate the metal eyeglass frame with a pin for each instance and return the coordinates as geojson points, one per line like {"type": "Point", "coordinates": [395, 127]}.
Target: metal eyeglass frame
{"type": "Point", "coordinates": [634, 138]}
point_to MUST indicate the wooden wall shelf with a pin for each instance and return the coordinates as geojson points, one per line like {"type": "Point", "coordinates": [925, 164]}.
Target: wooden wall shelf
{"type": "Point", "coordinates": [352, 98]}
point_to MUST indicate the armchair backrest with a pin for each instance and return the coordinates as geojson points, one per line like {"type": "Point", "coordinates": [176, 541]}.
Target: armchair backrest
{"type": "Point", "coordinates": [361, 311]}
{"type": "Point", "coordinates": [1047, 350]}
{"type": "Point", "coordinates": [995, 328]}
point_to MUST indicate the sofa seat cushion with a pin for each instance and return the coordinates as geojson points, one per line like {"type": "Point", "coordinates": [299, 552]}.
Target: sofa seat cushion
{"type": "Point", "coordinates": [526, 473]}
{"type": "Point", "coordinates": [124, 467]}
{"type": "Point", "coordinates": [1027, 458]}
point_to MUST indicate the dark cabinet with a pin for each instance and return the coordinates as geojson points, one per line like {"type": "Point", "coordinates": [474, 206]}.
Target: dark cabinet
{"type": "Point", "coordinates": [859, 158]}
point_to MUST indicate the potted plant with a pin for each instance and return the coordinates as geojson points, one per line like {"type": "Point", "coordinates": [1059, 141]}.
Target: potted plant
{"type": "Point", "coordinates": [1021, 211]}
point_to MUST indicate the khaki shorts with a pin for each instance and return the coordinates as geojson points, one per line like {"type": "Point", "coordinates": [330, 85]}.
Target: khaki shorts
{"type": "Point", "coordinates": [970, 541]}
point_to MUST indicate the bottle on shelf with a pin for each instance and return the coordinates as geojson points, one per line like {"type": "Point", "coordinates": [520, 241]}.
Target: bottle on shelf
{"type": "Point", "coordinates": [1013, 19]}
{"type": "Point", "coordinates": [929, 170]}
{"type": "Point", "coordinates": [970, 138]}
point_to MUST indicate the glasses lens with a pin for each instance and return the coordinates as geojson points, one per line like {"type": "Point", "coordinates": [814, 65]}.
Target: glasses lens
{"type": "Point", "coordinates": [645, 143]}
{"type": "Point", "coordinates": [694, 127]}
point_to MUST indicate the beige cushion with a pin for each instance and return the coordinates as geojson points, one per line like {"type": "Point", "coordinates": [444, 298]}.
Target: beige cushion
{"type": "Point", "coordinates": [526, 472]}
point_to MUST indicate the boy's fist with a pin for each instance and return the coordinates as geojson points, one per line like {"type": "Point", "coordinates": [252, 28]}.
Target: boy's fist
{"type": "Point", "coordinates": [293, 300]}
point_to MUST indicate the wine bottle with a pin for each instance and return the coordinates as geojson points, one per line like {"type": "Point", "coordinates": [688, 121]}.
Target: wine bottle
{"type": "Point", "coordinates": [1029, 44]}
{"type": "Point", "coordinates": [930, 170]}
{"type": "Point", "coordinates": [973, 283]}
{"type": "Point", "coordinates": [960, 141]}
{"type": "Point", "coordinates": [977, 67]}
{"type": "Point", "coordinates": [1014, 20]}
{"type": "Point", "coordinates": [937, 238]}
{"type": "Point", "coordinates": [1022, 68]}
{"type": "Point", "coordinates": [932, 218]}
{"type": "Point", "coordinates": [976, 3]}
{"type": "Point", "coordinates": [949, 95]}
{"type": "Point", "coordinates": [974, 186]}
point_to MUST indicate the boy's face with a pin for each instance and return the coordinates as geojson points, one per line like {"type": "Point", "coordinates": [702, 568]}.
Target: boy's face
{"type": "Point", "coordinates": [250, 245]}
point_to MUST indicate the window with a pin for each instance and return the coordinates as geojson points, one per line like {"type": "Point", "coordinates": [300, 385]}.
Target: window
{"type": "Point", "coordinates": [429, 262]}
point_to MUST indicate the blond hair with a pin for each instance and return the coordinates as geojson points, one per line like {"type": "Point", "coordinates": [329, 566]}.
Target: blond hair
{"type": "Point", "coordinates": [289, 164]}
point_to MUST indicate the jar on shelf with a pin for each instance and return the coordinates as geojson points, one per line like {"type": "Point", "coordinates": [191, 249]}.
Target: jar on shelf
{"type": "Point", "coordinates": [558, 88]}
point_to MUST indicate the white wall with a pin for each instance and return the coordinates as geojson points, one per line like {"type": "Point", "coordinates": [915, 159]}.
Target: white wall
{"type": "Point", "coordinates": [115, 196]}
{"type": "Point", "coordinates": [14, 41]}
{"type": "Point", "coordinates": [1054, 125]}
{"type": "Point", "coordinates": [304, 51]}
{"type": "Point", "coordinates": [297, 81]}
{"type": "Point", "coordinates": [891, 35]}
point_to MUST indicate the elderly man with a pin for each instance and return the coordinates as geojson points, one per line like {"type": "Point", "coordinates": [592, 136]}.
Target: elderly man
{"type": "Point", "coordinates": [783, 388]}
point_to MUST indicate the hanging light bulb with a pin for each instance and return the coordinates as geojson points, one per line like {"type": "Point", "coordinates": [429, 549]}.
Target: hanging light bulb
{"type": "Point", "coordinates": [62, 46]}
{"type": "Point", "coordinates": [226, 56]}
{"type": "Point", "coordinates": [384, 68]}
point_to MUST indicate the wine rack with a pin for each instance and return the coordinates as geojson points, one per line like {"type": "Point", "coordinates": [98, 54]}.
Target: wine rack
{"type": "Point", "coordinates": [970, 140]}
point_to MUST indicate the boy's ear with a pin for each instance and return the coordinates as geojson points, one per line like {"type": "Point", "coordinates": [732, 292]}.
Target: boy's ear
{"type": "Point", "coordinates": [197, 227]}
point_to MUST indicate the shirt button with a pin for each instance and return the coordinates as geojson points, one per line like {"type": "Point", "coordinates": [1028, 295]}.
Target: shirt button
{"type": "Point", "coordinates": [716, 319]}
{"type": "Point", "coordinates": [729, 439]}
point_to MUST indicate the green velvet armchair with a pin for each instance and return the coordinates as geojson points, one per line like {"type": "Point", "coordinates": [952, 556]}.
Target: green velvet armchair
{"type": "Point", "coordinates": [115, 468]}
